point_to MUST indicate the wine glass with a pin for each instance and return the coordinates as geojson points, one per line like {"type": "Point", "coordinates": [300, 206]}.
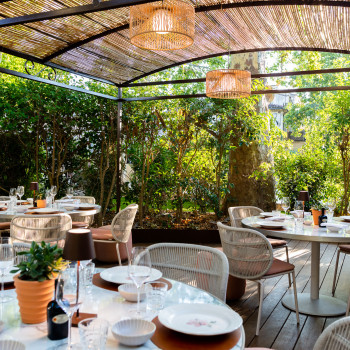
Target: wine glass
{"type": "Point", "coordinates": [69, 192]}
{"type": "Point", "coordinates": [299, 209]}
{"type": "Point", "coordinates": [331, 204]}
{"type": "Point", "coordinates": [53, 192]}
{"type": "Point", "coordinates": [20, 191]}
{"type": "Point", "coordinates": [6, 262]}
{"type": "Point", "coordinates": [69, 297]}
{"type": "Point", "coordinates": [285, 204]}
{"type": "Point", "coordinates": [139, 270]}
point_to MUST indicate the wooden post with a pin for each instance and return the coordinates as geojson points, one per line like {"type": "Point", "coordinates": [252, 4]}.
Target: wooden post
{"type": "Point", "coordinates": [118, 150]}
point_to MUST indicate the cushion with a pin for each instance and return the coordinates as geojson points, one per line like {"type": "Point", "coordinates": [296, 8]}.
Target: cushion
{"type": "Point", "coordinates": [345, 248]}
{"type": "Point", "coordinates": [278, 267]}
{"type": "Point", "coordinates": [5, 225]}
{"type": "Point", "coordinates": [77, 224]}
{"type": "Point", "coordinates": [101, 234]}
{"type": "Point", "coordinates": [276, 243]}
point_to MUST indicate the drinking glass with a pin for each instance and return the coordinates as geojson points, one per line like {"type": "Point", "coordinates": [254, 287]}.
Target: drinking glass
{"type": "Point", "coordinates": [331, 204]}
{"type": "Point", "coordinates": [299, 208]}
{"type": "Point", "coordinates": [93, 333]}
{"type": "Point", "coordinates": [20, 191]}
{"type": "Point", "coordinates": [139, 270]}
{"type": "Point", "coordinates": [285, 204]}
{"type": "Point", "coordinates": [6, 263]}
{"type": "Point", "coordinates": [53, 192]}
{"type": "Point", "coordinates": [69, 297]}
{"type": "Point", "coordinates": [69, 192]}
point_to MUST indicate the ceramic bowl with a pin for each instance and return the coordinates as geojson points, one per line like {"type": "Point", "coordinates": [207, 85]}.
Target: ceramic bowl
{"type": "Point", "coordinates": [69, 207]}
{"type": "Point", "coordinates": [334, 227]}
{"type": "Point", "coordinates": [134, 331]}
{"type": "Point", "coordinates": [129, 292]}
{"type": "Point", "coordinates": [11, 345]}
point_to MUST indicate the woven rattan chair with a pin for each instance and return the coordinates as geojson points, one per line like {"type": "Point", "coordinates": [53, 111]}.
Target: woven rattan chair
{"type": "Point", "coordinates": [118, 232]}
{"type": "Point", "coordinates": [86, 220]}
{"type": "Point", "coordinates": [250, 257]}
{"type": "Point", "coordinates": [343, 248]}
{"type": "Point", "coordinates": [199, 266]}
{"type": "Point", "coordinates": [83, 199]}
{"type": "Point", "coordinates": [335, 337]}
{"type": "Point", "coordinates": [237, 214]}
{"type": "Point", "coordinates": [38, 228]}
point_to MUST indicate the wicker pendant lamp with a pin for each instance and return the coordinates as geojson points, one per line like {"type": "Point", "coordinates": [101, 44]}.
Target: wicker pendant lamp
{"type": "Point", "coordinates": [162, 25]}
{"type": "Point", "coordinates": [228, 83]}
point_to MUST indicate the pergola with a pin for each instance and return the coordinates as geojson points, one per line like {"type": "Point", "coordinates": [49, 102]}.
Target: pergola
{"type": "Point", "coordinates": [91, 38]}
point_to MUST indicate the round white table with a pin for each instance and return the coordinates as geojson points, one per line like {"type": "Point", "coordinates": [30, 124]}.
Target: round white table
{"type": "Point", "coordinates": [6, 216]}
{"type": "Point", "coordinates": [312, 303]}
{"type": "Point", "coordinates": [106, 304]}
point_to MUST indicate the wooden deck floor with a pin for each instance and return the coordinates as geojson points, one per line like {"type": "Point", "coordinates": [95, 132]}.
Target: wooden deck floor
{"type": "Point", "coordinates": [279, 329]}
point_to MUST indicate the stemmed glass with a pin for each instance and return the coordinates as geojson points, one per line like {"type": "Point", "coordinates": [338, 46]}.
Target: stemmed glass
{"type": "Point", "coordinates": [6, 262]}
{"type": "Point", "coordinates": [139, 270]}
{"type": "Point", "coordinates": [285, 204]}
{"type": "Point", "coordinates": [69, 298]}
{"type": "Point", "coordinates": [69, 192]}
{"type": "Point", "coordinates": [20, 191]}
{"type": "Point", "coordinates": [299, 209]}
{"type": "Point", "coordinates": [331, 204]}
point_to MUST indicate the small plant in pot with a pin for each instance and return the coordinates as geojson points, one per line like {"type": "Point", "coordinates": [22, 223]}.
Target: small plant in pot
{"type": "Point", "coordinates": [35, 283]}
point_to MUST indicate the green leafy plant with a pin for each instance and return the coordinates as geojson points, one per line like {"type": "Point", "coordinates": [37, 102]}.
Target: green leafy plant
{"type": "Point", "coordinates": [42, 262]}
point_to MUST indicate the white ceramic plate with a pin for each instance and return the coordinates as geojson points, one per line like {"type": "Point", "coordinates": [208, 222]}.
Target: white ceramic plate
{"type": "Point", "coordinates": [266, 214]}
{"type": "Point", "coordinates": [8, 277]}
{"type": "Point", "coordinates": [200, 319]}
{"type": "Point", "coordinates": [45, 210]}
{"type": "Point", "coordinates": [270, 224]}
{"type": "Point", "coordinates": [119, 274]}
{"type": "Point", "coordinates": [345, 218]}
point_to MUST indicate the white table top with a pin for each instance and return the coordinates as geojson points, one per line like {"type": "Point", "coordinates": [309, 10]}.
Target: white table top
{"type": "Point", "coordinates": [106, 304]}
{"type": "Point", "coordinates": [312, 233]}
{"type": "Point", "coordinates": [6, 216]}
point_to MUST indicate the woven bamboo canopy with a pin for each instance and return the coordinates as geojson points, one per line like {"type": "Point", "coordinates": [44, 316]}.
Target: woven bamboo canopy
{"type": "Point", "coordinates": [93, 39]}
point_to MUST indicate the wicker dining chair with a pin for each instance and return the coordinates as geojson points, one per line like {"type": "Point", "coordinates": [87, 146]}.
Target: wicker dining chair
{"type": "Point", "coordinates": [250, 257]}
{"type": "Point", "coordinates": [335, 337]}
{"type": "Point", "coordinates": [237, 214]}
{"type": "Point", "coordinates": [118, 232]}
{"type": "Point", "coordinates": [83, 199]}
{"type": "Point", "coordinates": [38, 228]}
{"type": "Point", "coordinates": [199, 266]}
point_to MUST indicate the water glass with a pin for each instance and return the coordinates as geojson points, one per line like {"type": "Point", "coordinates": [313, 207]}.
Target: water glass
{"type": "Point", "coordinates": [308, 220]}
{"type": "Point", "coordinates": [93, 333]}
{"type": "Point", "coordinates": [6, 263]}
{"type": "Point", "coordinates": [155, 295]}
{"type": "Point", "coordinates": [87, 274]}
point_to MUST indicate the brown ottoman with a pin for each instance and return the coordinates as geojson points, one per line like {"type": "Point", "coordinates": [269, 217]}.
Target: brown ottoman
{"type": "Point", "coordinates": [235, 287]}
{"type": "Point", "coordinates": [5, 225]}
{"type": "Point", "coordinates": [106, 251]}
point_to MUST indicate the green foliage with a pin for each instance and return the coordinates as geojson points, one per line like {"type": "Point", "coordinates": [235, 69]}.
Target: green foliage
{"type": "Point", "coordinates": [41, 262]}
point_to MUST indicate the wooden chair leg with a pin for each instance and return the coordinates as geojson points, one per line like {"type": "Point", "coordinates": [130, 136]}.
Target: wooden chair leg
{"type": "Point", "coordinates": [295, 296]}
{"type": "Point", "coordinates": [287, 254]}
{"type": "Point", "coordinates": [261, 298]}
{"type": "Point", "coordinates": [335, 273]}
{"type": "Point", "coordinates": [118, 253]}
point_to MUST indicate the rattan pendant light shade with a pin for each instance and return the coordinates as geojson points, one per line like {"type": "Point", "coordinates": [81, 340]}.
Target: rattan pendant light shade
{"type": "Point", "coordinates": [228, 83]}
{"type": "Point", "coordinates": [167, 25]}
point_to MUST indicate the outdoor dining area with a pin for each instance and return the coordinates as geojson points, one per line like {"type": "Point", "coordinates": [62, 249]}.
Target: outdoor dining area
{"type": "Point", "coordinates": [174, 174]}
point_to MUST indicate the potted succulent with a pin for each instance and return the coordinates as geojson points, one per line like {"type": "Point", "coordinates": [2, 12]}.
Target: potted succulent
{"type": "Point", "coordinates": [35, 283]}
{"type": "Point", "coordinates": [316, 210]}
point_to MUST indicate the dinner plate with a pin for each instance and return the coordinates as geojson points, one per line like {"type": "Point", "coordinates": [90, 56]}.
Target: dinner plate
{"type": "Point", "coordinates": [45, 211]}
{"type": "Point", "coordinates": [270, 224]}
{"type": "Point", "coordinates": [266, 214]}
{"type": "Point", "coordinates": [119, 274]}
{"type": "Point", "coordinates": [8, 278]}
{"type": "Point", "coordinates": [200, 319]}
{"type": "Point", "coordinates": [345, 218]}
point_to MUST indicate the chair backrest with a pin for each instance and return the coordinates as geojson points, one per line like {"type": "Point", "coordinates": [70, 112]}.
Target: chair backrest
{"type": "Point", "coordinates": [38, 228]}
{"type": "Point", "coordinates": [83, 199]}
{"type": "Point", "coordinates": [199, 266]}
{"type": "Point", "coordinates": [248, 251]}
{"type": "Point", "coordinates": [335, 337]}
{"type": "Point", "coordinates": [239, 213]}
{"type": "Point", "coordinates": [122, 223]}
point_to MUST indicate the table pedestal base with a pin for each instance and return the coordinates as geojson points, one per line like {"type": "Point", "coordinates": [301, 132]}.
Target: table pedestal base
{"type": "Point", "coordinates": [324, 306]}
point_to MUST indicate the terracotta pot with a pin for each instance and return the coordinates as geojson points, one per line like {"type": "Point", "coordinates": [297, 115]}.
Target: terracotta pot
{"type": "Point", "coordinates": [33, 298]}
{"type": "Point", "coordinates": [41, 203]}
{"type": "Point", "coordinates": [315, 215]}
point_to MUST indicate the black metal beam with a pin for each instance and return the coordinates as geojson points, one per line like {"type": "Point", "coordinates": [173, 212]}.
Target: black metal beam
{"type": "Point", "coordinates": [254, 76]}
{"type": "Point", "coordinates": [54, 83]}
{"type": "Point", "coordinates": [114, 4]}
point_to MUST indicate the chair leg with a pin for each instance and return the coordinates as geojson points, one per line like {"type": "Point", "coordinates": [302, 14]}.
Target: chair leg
{"type": "Point", "coordinates": [261, 298]}
{"type": "Point", "coordinates": [295, 297]}
{"type": "Point", "coordinates": [118, 253]}
{"type": "Point", "coordinates": [335, 273]}
{"type": "Point", "coordinates": [287, 254]}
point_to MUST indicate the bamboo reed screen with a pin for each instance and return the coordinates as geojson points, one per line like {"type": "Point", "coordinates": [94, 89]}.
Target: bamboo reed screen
{"type": "Point", "coordinates": [162, 25]}
{"type": "Point", "coordinates": [228, 83]}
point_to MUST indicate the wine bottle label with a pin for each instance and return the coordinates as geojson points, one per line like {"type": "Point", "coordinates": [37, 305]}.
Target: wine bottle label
{"type": "Point", "coordinates": [60, 319]}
